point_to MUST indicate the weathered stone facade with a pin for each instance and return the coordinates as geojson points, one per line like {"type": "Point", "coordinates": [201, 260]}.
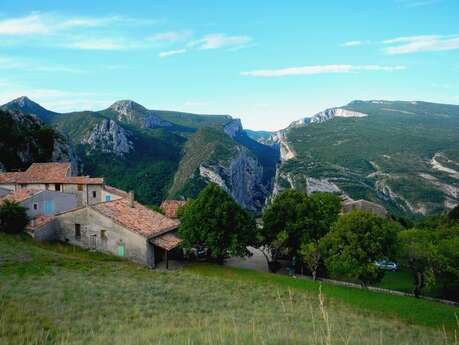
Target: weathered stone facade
{"type": "Point", "coordinates": [88, 228]}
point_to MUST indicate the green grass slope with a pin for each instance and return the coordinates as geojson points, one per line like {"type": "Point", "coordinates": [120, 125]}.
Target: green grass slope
{"type": "Point", "coordinates": [57, 294]}
{"type": "Point", "coordinates": [391, 149]}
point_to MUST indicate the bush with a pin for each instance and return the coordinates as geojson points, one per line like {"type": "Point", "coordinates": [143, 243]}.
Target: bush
{"type": "Point", "coordinates": [13, 217]}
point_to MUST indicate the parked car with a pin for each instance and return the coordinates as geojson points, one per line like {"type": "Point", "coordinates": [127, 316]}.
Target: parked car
{"type": "Point", "coordinates": [387, 265]}
{"type": "Point", "coordinates": [198, 252]}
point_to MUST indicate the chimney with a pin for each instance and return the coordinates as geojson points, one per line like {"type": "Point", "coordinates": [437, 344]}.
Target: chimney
{"type": "Point", "coordinates": [131, 199]}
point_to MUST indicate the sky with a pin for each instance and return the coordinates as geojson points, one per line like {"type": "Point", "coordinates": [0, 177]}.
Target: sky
{"type": "Point", "coordinates": [267, 62]}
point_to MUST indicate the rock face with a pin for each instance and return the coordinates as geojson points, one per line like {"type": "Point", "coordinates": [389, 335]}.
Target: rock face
{"type": "Point", "coordinates": [242, 178]}
{"type": "Point", "coordinates": [134, 113]}
{"type": "Point", "coordinates": [107, 136]}
{"type": "Point", "coordinates": [233, 128]}
{"type": "Point", "coordinates": [331, 113]}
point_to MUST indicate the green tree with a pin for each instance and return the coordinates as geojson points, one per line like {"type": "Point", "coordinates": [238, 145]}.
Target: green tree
{"type": "Point", "coordinates": [294, 220]}
{"type": "Point", "coordinates": [214, 220]}
{"type": "Point", "coordinates": [448, 249]}
{"type": "Point", "coordinates": [355, 242]}
{"type": "Point", "coordinates": [418, 252]}
{"type": "Point", "coordinates": [13, 217]}
{"type": "Point", "coordinates": [326, 208]}
{"type": "Point", "coordinates": [284, 224]}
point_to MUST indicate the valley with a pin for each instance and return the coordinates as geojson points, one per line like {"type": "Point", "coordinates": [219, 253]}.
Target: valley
{"type": "Point", "coordinates": [403, 155]}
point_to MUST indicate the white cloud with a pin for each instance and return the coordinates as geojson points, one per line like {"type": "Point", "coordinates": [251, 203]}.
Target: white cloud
{"type": "Point", "coordinates": [55, 99]}
{"type": "Point", "coordinates": [416, 3]}
{"type": "Point", "coordinates": [425, 43]}
{"type": "Point", "coordinates": [41, 23]}
{"type": "Point", "coordinates": [32, 24]}
{"type": "Point", "coordinates": [171, 52]}
{"type": "Point", "coordinates": [320, 69]}
{"type": "Point", "coordinates": [98, 44]}
{"type": "Point", "coordinates": [170, 36]}
{"type": "Point", "coordinates": [27, 65]}
{"type": "Point", "coordinates": [215, 41]}
{"type": "Point", "coordinates": [351, 44]}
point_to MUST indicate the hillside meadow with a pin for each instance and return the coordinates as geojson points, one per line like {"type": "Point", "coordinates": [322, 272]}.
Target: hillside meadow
{"type": "Point", "coordinates": [57, 294]}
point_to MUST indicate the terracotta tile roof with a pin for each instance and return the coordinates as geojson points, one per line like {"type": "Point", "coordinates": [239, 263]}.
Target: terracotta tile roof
{"type": "Point", "coordinates": [167, 241]}
{"type": "Point", "coordinates": [45, 172]}
{"type": "Point", "coordinates": [38, 222]}
{"type": "Point", "coordinates": [138, 219]}
{"type": "Point", "coordinates": [20, 195]}
{"type": "Point", "coordinates": [116, 191]}
{"type": "Point", "coordinates": [170, 207]}
{"type": "Point", "coordinates": [9, 177]}
{"type": "Point", "coordinates": [48, 173]}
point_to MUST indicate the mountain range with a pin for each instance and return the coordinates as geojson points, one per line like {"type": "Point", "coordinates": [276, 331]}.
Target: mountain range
{"type": "Point", "coordinates": [403, 155]}
{"type": "Point", "coordinates": [161, 154]}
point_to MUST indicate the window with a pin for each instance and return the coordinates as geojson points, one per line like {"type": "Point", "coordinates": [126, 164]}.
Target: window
{"type": "Point", "coordinates": [94, 194]}
{"type": "Point", "coordinates": [23, 185]}
{"type": "Point", "coordinates": [80, 187]}
{"type": "Point", "coordinates": [103, 234]}
{"type": "Point", "coordinates": [35, 206]}
{"type": "Point", "coordinates": [78, 232]}
{"type": "Point", "coordinates": [57, 187]}
{"type": "Point", "coordinates": [47, 186]}
{"type": "Point", "coordinates": [108, 198]}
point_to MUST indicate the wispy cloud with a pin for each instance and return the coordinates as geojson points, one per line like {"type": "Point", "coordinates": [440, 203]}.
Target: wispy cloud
{"type": "Point", "coordinates": [171, 52]}
{"type": "Point", "coordinates": [97, 44]}
{"type": "Point", "coordinates": [351, 44]}
{"type": "Point", "coordinates": [425, 43]}
{"type": "Point", "coordinates": [170, 36]}
{"type": "Point", "coordinates": [55, 99]}
{"type": "Point", "coordinates": [320, 69]}
{"type": "Point", "coordinates": [215, 41]}
{"type": "Point", "coordinates": [416, 3]}
{"type": "Point", "coordinates": [10, 63]}
{"type": "Point", "coordinates": [40, 23]}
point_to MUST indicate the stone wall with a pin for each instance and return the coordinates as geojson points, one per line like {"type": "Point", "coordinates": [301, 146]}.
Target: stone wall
{"type": "Point", "coordinates": [103, 234]}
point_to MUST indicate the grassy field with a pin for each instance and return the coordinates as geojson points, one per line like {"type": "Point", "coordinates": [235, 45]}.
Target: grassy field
{"type": "Point", "coordinates": [56, 294]}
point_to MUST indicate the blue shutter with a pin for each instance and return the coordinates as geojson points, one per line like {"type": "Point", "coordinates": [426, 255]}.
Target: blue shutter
{"type": "Point", "coordinates": [108, 198]}
{"type": "Point", "coordinates": [49, 207]}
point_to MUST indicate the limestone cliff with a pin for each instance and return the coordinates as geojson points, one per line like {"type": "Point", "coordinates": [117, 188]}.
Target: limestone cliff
{"type": "Point", "coordinates": [109, 137]}
{"type": "Point", "coordinates": [242, 177]}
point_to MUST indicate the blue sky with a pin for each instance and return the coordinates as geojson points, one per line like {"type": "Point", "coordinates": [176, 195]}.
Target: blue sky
{"type": "Point", "coordinates": [267, 62]}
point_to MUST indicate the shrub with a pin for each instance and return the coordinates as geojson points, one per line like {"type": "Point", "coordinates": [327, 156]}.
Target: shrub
{"type": "Point", "coordinates": [13, 217]}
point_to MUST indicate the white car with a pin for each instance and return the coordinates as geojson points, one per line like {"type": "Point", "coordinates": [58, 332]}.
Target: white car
{"type": "Point", "coordinates": [387, 265]}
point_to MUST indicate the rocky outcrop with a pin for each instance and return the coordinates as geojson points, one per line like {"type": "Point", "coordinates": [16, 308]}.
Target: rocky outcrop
{"type": "Point", "coordinates": [280, 139]}
{"type": "Point", "coordinates": [134, 113]}
{"type": "Point", "coordinates": [331, 113]}
{"type": "Point", "coordinates": [242, 178]}
{"type": "Point", "coordinates": [109, 137]}
{"type": "Point", "coordinates": [233, 128]}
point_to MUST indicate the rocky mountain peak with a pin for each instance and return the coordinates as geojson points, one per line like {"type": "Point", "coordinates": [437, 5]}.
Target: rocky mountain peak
{"type": "Point", "coordinates": [27, 106]}
{"type": "Point", "coordinates": [132, 112]}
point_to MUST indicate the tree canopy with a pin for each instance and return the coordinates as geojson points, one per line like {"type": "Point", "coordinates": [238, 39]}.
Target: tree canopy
{"type": "Point", "coordinates": [355, 242]}
{"type": "Point", "coordinates": [215, 221]}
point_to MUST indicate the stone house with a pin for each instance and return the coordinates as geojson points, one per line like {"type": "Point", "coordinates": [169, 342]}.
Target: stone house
{"type": "Point", "coordinates": [121, 227]}
{"type": "Point", "coordinates": [85, 212]}
{"type": "Point", "coordinates": [348, 205]}
{"type": "Point", "coordinates": [42, 202]}
{"type": "Point", "coordinates": [55, 177]}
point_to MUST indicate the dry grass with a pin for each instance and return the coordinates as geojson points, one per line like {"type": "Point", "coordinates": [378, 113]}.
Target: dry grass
{"type": "Point", "coordinates": [54, 295]}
